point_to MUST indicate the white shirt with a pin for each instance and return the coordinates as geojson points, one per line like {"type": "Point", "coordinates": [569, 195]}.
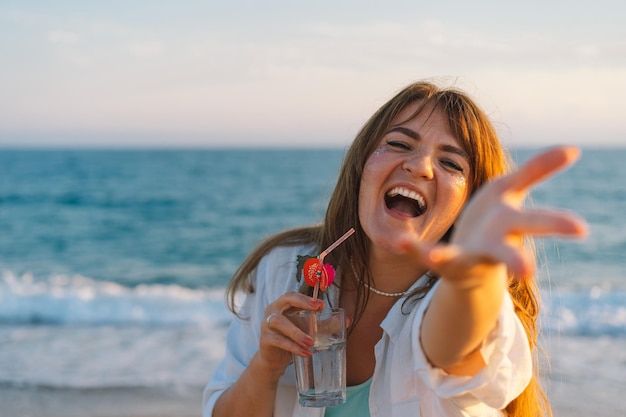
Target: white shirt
{"type": "Point", "coordinates": [404, 383]}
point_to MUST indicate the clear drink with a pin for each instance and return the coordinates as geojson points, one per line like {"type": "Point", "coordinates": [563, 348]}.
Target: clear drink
{"type": "Point", "coordinates": [321, 378]}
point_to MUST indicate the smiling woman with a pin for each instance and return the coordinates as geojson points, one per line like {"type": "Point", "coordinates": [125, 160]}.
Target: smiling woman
{"type": "Point", "coordinates": [435, 282]}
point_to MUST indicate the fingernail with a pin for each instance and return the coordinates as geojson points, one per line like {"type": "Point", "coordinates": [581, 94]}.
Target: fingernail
{"type": "Point", "coordinates": [307, 340]}
{"type": "Point", "coordinates": [573, 152]}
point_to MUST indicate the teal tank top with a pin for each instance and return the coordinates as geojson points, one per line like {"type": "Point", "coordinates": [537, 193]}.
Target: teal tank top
{"type": "Point", "coordinates": [357, 402]}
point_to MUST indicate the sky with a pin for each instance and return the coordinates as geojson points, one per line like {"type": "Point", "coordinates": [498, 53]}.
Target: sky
{"type": "Point", "coordinates": [246, 73]}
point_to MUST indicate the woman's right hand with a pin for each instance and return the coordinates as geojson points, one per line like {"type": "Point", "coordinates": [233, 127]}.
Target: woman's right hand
{"type": "Point", "coordinates": [280, 338]}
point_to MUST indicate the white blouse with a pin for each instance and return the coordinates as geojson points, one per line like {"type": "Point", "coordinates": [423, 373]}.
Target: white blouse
{"type": "Point", "coordinates": [404, 383]}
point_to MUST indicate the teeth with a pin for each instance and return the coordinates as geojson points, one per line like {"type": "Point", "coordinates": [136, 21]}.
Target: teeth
{"type": "Point", "coordinates": [408, 194]}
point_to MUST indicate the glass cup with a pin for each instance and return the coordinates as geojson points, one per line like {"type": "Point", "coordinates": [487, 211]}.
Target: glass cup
{"type": "Point", "coordinates": [321, 378]}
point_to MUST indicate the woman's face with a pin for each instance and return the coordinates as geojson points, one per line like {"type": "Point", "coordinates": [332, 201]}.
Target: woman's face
{"type": "Point", "coordinates": [415, 182]}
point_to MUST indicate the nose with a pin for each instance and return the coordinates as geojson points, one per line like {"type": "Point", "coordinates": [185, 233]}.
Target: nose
{"type": "Point", "coordinates": [419, 164]}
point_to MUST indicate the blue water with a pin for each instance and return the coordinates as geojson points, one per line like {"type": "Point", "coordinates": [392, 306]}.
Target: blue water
{"type": "Point", "coordinates": [152, 217]}
{"type": "Point", "coordinates": [127, 250]}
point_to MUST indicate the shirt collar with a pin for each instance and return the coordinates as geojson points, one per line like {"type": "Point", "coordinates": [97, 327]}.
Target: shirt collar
{"type": "Point", "coordinates": [392, 324]}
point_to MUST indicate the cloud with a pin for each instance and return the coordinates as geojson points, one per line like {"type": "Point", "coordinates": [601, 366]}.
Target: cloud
{"type": "Point", "coordinates": [586, 51]}
{"type": "Point", "coordinates": [373, 30]}
{"type": "Point", "coordinates": [61, 37]}
{"type": "Point", "coordinates": [146, 49]}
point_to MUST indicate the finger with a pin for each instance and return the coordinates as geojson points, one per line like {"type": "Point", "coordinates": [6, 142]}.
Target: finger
{"type": "Point", "coordinates": [294, 300]}
{"type": "Point", "coordinates": [545, 222]}
{"type": "Point", "coordinates": [448, 260]}
{"type": "Point", "coordinates": [540, 167]}
{"type": "Point", "coordinates": [282, 325]}
{"type": "Point", "coordinates": [416, 248]}
{"type": "Point", "coordinates": [284, 343]}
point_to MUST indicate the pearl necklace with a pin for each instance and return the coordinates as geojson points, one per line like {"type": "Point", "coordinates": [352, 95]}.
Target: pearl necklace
{"type": "Point", "coordinates": [374, 290]}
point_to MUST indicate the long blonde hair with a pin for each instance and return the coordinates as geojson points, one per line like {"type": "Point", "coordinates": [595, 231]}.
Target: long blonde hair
{"type": "Point", "coordinates": [475, 133]}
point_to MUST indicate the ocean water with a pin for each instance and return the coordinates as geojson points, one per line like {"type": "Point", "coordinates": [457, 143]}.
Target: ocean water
{"type": "Point", "coordinates": [113, 263]}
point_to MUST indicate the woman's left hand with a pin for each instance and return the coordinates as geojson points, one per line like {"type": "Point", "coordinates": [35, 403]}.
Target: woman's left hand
{"type": "Point", "coordinates": [491, 229]}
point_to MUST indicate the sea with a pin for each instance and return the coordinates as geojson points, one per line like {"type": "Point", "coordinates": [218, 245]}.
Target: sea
{"type": "Point", "coordinates": [113, 263]}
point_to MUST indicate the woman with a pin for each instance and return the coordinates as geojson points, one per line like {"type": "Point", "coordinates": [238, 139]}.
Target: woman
{"type": "Point", "coordinates": [439, 290]}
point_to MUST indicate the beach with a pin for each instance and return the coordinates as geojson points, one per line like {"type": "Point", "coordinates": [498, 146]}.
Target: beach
{"type": "Point", "coordinates": [576, 388]}
{"type": "Point", "coordinates": [186, 403]}
{"type": "Point", "coordinates": [590, 383]}
{"type": "Point", "coordinates": [115, 402]}
{"type": "Point", "coordinates": [568, 400]}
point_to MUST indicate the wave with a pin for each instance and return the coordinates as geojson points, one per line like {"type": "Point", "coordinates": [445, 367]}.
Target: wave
{"type": "Point", "coordinates": [78, 300]}
{"type": "Point", "coordinates": [593, 312]}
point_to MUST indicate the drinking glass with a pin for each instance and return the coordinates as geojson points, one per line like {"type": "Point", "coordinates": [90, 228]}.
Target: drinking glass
{"type": "Point", "coordinates": [321, 378]}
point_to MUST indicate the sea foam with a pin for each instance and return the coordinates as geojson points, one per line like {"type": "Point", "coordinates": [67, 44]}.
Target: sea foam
{"type": "Point", "coordinates": [78, 300]}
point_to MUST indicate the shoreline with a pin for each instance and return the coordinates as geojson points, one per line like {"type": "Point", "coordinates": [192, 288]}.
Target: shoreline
{"type": "Point", "coordinates": [568, 400]}
{"type": "Point", "coordinates": [100, 402]}
{"type": "Point", "coordinates": [583, 377]}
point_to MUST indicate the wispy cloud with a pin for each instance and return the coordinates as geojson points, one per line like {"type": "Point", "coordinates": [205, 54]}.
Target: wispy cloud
{"type": "Point", "coordinates": [62, 37]}
{"type": "Point", "coordinates": [146, 49]}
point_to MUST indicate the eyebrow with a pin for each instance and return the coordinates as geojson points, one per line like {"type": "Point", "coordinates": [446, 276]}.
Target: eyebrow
{"type": "Point", "coordinates": [414, 135]}
{"type": "Point", "coordinates": [405, 130]}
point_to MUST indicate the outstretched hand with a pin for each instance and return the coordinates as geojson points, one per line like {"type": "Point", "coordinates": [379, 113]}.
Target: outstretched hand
{"type": "Point", "coordinates": [491, 229]}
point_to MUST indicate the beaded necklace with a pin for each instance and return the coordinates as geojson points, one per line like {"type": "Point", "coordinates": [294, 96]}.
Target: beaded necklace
{"type": "Point", "coordinates": [374, 290]}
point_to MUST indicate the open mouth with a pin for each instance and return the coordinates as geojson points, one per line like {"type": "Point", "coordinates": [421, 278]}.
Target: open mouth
{"type": "Point", "coordinates": [405, 201]}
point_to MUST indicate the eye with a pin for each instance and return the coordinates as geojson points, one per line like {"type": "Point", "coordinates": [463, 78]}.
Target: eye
{"type": "Point", "coordinates": [452, 165]}
{"type": "Point", "coordinates": [398, 145]}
